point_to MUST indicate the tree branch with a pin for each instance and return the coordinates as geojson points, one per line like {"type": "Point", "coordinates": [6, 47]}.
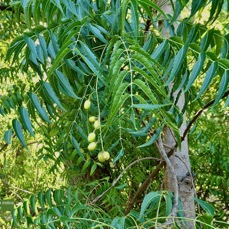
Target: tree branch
{"type": "Point", "coordinates": [169, 165]}
{"type": "Point", "coordinates": [143, 187]}
{"type": "Point", "coordinates": [198, 113]}
{"type": "Point", "coordinates": [4, 7]}
{"type": "Point", "coordinates": [120, 176]}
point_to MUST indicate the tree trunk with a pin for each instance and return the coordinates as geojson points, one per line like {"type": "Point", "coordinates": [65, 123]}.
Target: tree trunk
{"type": "Point", "coordinates": [180, 159]}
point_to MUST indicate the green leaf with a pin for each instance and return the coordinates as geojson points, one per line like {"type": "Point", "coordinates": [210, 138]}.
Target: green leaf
{"type": "Point", "coordinates": [48, 197]}
{"type": "Point", "coordinates": [169, 204]}
{"type": "Point", "coordinates": [144, 130]}
{"type": "Point", "coordinates": [206, 206]}
{"type": "Point", "coordinates": [41, 111]}
{"type": "Point", "coordinates": [14, 216]}
{"type": "Point", "coordinates": [52, 95]}
{"type": "Point", "coordinates": [97, 33]}
{"type": "Point", "coordinates": [31, 45]}
{"type": "Point", "coordinates": [146, 90]}
{"type": "Point", "coordinates": [206, 40]}
{"type": "Point", "coordinates": [148, 199]}
{"type": "Point", "coordinates": [65, 84]}
{"type": "Point", "coordinates": [160, 50]}
{"type": "Point", "coordinates": [153, 138]}
{"type": "Point", "coordinates": [119, 155]}
{"type": "Point", "coordinates": [8, 136]}
{"type": "Point", "coordinates": [117, 97]}
{"type": "Point", "coordinates": [93, 168]}
{"type": "Point", "coordinates": [151, 79]}
{"type": "Point", "coordinates": [222, 87]}
{"type": "Point", "coordinates": [153, 5]}
{"type": "Point", "coordinates": [177, 64]}
{"type": "Point", "coordinates": [18, 130]}
{"type": "Point", "coordinates": [41, 199]}
{"type": "Point", "coordinates": [196, 5]}
{"type": "Point", "coordinates": [209, 76]}
{"type": "Point", "coordinates": [33, 204]}
{"type": "Point", "coordinates": [118, 222]}
{"type": "Point", "coordinates": [26, 120]}
{"type": "Point", "coordinates": [149, 106]}
{"type": "Point", "coordinates": [135, 18]}
{"type": "Point", "coordinates": [77, 147]}
{"type": "Point", "coordinates": [196, 70]}
{"type": "Point", "coordinates": [117, 104]}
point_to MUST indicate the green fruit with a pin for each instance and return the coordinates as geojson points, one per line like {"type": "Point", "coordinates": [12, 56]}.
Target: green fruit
{"type": "Point", "coordinates": [97, 124]}
{"type": "Point", "coordinates": [92, 119]}
{"type": "Point", "coordinates": [101, 157]}
{"type": "Point", "coordinates": [91, 137]}
{"type": "Point", "coordinates": [106, 155]}
{"type": "Point", "coordinates": [91, 146]}
{"type": "Point", "coordinates": [87, 104]}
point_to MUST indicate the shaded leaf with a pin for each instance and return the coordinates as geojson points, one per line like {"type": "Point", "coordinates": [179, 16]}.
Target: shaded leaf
{"type": "Point", "coordinates": [18, 130]}
{"type": "Point", "coordinates": [40, 109]}
{"type": "Point", "coordinates": [148, 199]}
{"type": "Point", "coordinates": [26, 119]}
{"type": "Point", "coordinates": [209, 76]}
{"type": "Point", "coordinates": [8, 136]}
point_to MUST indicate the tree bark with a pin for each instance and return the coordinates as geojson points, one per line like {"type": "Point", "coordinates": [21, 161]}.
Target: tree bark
{"type": "Point", "coordinates": [180, 159]}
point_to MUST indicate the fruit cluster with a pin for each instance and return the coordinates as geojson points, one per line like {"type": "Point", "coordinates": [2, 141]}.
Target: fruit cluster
{"type": "Point", "coordinates": [104, 155]}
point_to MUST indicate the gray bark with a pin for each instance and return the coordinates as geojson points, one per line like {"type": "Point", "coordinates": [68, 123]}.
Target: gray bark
{"type": "Point", "coordinates": [180, 159]}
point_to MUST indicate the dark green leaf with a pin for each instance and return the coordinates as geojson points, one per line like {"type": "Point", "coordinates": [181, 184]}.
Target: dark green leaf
{"type": "Point", "coordinates": [178, 61]}
{"type": "Point", "coordinates": [209, 76]}
{"type": "Point", "coordinates": [222, 87]}
{"type": "Point", "coordinates": [40, 109]}
{"type": "Point", "coordinates": [26, 119]}
{"type": "Point", "coordinates": [18, 130]}
{"type": "Point", "coordinates": [148, 199]}
{"type": "Point", "coordinates": [206, 206]}
{"type": "Point", "coordinates": [152, 139]}
{"type": "Point", "coordinates": [65, 84]}
{"type": "Point", "coordinates": [8, 136]}
{"type": "Point", "coordinates": [119, 155]}
{"type": "Point", "coordinates": [196, 70]}
{"type": "Point", "coordinates": [52, 95]}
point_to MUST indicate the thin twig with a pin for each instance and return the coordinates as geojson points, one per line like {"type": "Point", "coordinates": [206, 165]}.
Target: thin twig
{"type": "Point", "coordinates": [145, 184]}
{"type": "Point", "coordinates": [164, 155]}
{"type": "Point", "coordinates": [17, 187]}
{"type": "Point", "coordinates": [120, 176]}
{"type": "Point", "coordinates": [198, 113]}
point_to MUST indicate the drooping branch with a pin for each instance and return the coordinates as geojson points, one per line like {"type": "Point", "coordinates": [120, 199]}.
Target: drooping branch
{"type": "Point", "coordinates": [198, 113]}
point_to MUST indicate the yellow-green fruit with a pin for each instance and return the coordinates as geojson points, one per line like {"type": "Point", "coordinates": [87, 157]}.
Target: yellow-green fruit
{"type": "Point", "coordinates": [97, 124]}
{"type": "Point", "coordinates": [91, 146]}
{"type": "Point", "coordinates": [101, 157]}
{"type": "Point", "coordinates": [91, 137]}
{"type": "Point", "coordinates": [81, 150]}
{"type": "Point", "coordinates": [87, 104]}
{"type": "Point", "coordinates": [106, 155]}
{"type": "Point", "coordinates": [92, 119]}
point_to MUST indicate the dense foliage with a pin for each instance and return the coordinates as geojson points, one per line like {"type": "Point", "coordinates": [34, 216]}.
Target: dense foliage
{"type": "Point", "coordinates": [59, 54]}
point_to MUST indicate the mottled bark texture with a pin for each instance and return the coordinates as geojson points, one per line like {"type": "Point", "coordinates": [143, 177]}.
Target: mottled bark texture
{"type": "Point", "coordinates": [180, 158]}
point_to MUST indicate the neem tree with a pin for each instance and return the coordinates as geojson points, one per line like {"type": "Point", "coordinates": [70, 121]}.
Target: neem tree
{"type": "Point", "coordinates": [115, 79]}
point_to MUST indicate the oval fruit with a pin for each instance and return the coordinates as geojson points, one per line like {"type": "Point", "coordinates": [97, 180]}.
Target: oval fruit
{"type": "Point", "coordinates": [106, 155]}
{"type": "Point", "coordinates": [101, 157]}
{"type": "Point", "coordinates": [92, 119]}
{"type": "Point", "coordinates": [97, 124]}
{"type": "Point", "coordinates": [91, 146]}
{"type": "Point", "coordinates": [87, 104]}
{"type": "Point", "coordinates": [91, 137]}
